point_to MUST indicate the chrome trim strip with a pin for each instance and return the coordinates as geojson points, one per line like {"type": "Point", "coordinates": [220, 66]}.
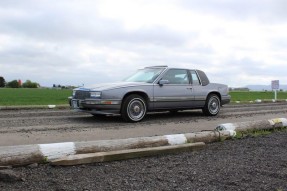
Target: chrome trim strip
{"type": "Point", "coordinates": [99, 102]}
{"type": "Point", "coordinates": [172, 99]}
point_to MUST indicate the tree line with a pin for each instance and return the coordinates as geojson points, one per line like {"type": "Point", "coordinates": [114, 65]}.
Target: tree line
{"type": "Point", "coordinates": [18, 84]}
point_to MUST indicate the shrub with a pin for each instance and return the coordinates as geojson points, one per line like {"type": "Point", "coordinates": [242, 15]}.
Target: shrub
{"type": "Point", "coordinates": [30, 84]}
{"type": "Point", "coordinates": [2, 82]}
{"type": "Point", "coordinates": [13, 84]}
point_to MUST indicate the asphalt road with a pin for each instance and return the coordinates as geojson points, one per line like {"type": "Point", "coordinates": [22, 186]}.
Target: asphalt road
{"type": "Point", "coordinates": [35, 126]}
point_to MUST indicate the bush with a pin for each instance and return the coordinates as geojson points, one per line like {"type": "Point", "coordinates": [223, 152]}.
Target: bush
{"type": "Point", "coordinates": [13, 84]}
{"type": "Point", "coordinates": [30, 84]}
{"type": "Point", "coordinates": [2, 82]}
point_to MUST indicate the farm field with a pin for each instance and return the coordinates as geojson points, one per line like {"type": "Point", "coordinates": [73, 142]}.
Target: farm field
{"type": "Point", "coordinates": [26, 96]}
{"type": "Point", "coordinates": [253, 95]}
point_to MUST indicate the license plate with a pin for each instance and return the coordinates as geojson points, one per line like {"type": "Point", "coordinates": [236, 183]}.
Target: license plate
{"type": "Point", "coordinates": [75, 104]}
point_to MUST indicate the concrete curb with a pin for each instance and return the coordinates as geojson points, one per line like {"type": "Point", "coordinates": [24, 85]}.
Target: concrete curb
{"type": "Point", "coordinates": [126, 154]}
{"type": "Point", "coordinates": [254, 125]}
{"type": "Point", "coordinates": [256, 101]}
{"type": "Point", "coordinates": [28, 154]}
{"type": "Point", "coordinates": [34, 107]}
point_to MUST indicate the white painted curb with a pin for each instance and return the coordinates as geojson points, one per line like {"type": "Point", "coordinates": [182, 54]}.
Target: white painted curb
{"type": "Point", "coordinates": [57, 150]}
{"type": "Point", "coordinates": [176, 139]}
{"type": "Point", "coordinates": [27, 154]}
{"type": "Point", "coordinates": [260, 124]}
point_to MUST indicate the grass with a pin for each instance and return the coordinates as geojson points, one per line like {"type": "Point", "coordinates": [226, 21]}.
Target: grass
{"type": "Point", "coordinates": [256, 133]}
{"type": "Point", "coordinates": [26, 96]}
{"type": "Point", "coordinates": [253, 95]}
{"type": "Point", "coordinates": [252, 133]}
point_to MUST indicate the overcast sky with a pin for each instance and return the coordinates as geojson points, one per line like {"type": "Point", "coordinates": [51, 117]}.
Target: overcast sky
{"type": "Point", "coordinates": [75, 42]}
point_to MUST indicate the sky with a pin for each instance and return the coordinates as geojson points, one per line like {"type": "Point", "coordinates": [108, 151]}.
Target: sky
{"type": "Point", "coordinates": [76, 42]}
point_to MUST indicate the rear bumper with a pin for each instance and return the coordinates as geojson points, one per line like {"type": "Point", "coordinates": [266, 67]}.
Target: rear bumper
{"type": "Point", "coordinates": [225, 99]}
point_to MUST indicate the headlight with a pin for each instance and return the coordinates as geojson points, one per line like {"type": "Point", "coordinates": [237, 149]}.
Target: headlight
{"type": "Point", "coordinates": [96, 94]}
{"type": "Point", "coordinates": [74, 93]}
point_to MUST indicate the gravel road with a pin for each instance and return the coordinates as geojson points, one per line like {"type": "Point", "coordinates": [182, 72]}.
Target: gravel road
{"type": "Point", "coordinates": [19, 127]}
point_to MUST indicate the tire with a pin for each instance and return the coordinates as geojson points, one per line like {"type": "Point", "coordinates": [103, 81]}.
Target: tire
{"type": "Point", "coordinates": [212, 105]}
{"type": "Point", "coordinates": [133, 108]}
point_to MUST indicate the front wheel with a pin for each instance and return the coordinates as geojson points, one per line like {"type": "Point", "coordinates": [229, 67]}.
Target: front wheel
{"type": "Point", "coordinates": [212, 105]}
{"type": "Point", "coordinates": [133, 108]}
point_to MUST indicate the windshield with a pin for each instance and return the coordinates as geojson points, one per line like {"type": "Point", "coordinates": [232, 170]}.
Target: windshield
{"type": "Point", "coordinates": [145, 75]}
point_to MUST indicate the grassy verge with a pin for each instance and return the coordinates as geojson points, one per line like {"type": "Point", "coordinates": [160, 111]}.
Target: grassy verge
{"type": "Point", "coordinates": [26, 96]}
{"type": "Point", "coordinates": [256, 133]}
{"type": "Point", "coordinates": [252, 95]}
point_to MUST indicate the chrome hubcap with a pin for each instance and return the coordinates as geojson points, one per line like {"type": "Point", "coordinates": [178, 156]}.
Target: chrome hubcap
{"type": "Point", "coordinates": [136, 109]}
{"type": "Point", "coordinates": [214, 105]}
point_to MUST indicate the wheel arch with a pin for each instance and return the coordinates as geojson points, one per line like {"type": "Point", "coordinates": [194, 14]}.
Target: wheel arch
{"type": "Point", "coordinates": [216, 93]}
{"type": "Point", "coordinates": [140, 93]}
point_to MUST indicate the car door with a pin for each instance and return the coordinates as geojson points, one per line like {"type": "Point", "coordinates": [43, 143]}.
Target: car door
{"type": "Point", "coordinates": [176, 92]}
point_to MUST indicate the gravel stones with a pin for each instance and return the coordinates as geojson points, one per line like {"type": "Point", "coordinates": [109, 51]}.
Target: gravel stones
{"type": "Point", "coordinates": [10, 176]}
{"type": "Point", "coordinates": [253, 163]}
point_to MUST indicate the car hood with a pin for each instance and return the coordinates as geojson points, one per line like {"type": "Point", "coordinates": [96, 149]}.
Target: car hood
{"type": "Point", "coordinates": [108, 86]}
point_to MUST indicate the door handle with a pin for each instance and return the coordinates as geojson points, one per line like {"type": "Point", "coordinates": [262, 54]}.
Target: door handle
{"type": "Point", "coordinates": [189, 88]}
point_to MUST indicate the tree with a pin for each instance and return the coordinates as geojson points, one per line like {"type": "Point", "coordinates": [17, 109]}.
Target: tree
{"type": "Point", "coordinates": [30, 84]}
{"type": "Point", "coordinates": [2, 82]}
{"type": "Point", "coordinates": [13, 84]}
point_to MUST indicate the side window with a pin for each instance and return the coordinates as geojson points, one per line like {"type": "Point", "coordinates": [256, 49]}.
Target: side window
{"type": "Point", "coordinates": [176, 76]}
{"type": "Point", "coordinates": [194, 77]}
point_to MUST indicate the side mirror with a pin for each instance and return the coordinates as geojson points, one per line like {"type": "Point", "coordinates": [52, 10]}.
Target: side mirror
{"type": "Point", "coordinates": [162, 82]}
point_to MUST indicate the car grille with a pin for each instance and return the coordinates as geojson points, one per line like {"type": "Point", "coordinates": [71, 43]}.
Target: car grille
{"type": "Point", "coordinates": [82, 95]}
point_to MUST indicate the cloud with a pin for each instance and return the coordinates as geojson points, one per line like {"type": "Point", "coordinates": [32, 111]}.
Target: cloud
{"type": "Point", "coordinates": [86, 42]}
{"type": "Point", "coordinates": [264, 11]}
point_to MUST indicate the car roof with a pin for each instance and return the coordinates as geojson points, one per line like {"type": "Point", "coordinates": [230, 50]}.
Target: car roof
{"type": "Point", "coordinates": [165, 66]}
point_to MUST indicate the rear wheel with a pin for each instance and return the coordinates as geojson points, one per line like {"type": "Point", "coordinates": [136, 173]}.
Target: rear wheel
{"type": "Point", "coordinates": [133, 108]}
{"type": "Point", "coordinates": [212, 105]}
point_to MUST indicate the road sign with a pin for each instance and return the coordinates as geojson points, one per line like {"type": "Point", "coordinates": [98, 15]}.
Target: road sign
{"type": "Point", "coordinates": [275, 84]}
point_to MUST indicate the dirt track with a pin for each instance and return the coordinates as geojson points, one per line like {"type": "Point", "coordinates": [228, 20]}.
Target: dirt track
{"type": "Point", "coordinates": [246, 164]}
{"type": "Point", "coordinates": [47, 126]}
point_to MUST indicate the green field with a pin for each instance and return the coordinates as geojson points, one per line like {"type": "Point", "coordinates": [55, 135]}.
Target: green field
{"type": "Point", "coordinates": [26, 96]}
{"type": "Point", "coordinates": [253, 95]}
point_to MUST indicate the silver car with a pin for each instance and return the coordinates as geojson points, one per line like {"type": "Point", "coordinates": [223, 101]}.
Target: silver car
{"type": "Point", "coordinates": [155, 88]}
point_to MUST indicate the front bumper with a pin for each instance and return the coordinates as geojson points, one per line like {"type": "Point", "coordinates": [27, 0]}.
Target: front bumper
{"type": "Point", "coordinates": [225, 99]}
{"type": "Point", "coordinates": [96, 106]}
